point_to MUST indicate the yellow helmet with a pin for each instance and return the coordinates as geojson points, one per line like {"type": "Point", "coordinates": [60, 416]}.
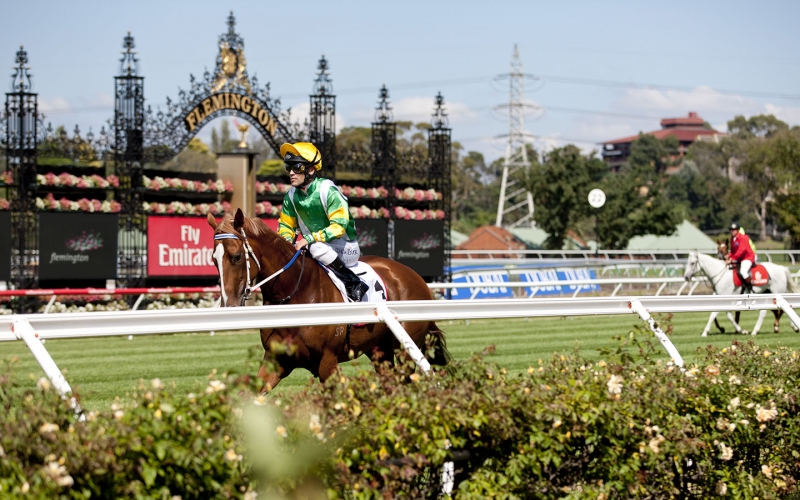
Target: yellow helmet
{"type": "Point", "coordinates": [304, 150]}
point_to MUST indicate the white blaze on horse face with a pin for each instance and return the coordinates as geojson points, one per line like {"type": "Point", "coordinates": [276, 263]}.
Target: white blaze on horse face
{"type": "Point", "coordinates": [218, 253]}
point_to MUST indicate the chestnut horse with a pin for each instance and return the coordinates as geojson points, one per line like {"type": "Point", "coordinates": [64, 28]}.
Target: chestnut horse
{"type": "Point", "coordinates": [246, 251]}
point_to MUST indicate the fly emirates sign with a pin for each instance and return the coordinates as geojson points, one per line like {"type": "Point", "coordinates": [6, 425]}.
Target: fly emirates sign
{"type": "Point", "coordinates": [179, 246]}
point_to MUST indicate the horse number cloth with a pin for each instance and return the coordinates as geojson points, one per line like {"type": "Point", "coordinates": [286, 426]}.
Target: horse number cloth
{"type": "Point", "coordinates": [759, 274]}
{"type": "Point", "coordinates": [377, 288]}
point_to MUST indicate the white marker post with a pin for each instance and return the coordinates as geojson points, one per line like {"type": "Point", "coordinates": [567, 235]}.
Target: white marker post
{"type": "Point", "coordinates": [597, 198]}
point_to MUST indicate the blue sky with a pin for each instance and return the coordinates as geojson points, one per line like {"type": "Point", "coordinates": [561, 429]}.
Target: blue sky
{"type": "Point", "coordinates": [607, 68]}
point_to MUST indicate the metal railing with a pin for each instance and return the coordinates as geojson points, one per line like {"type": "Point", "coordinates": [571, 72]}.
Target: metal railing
{"type": "Point", "coordinates": [590, 256]}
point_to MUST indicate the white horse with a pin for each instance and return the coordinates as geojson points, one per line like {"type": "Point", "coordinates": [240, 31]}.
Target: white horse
{"type": "Point", "coordinates": [780, 281]}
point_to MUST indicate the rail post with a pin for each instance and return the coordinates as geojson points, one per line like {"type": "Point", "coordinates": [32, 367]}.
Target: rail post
{"type": "Point", "coordinates": [639, 309]}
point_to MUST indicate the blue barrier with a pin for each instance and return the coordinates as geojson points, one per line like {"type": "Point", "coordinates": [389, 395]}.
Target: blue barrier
{"type": "Point", "coordinates": [484, 292]}
{"type": "Point", "coordinates": [558, 275]}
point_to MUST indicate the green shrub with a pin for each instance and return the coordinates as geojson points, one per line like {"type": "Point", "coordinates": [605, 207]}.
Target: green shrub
{"type": "Point", "coordinates": [628, 426]}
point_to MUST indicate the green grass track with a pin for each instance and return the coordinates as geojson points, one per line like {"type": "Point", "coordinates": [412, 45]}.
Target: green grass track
{"type": "Point", "coordinates": [102, 368]}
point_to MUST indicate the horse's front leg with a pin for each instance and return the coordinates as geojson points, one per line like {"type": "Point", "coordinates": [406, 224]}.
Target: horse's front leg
{"type": "Point", "coordinates": [280, 358]}
{"type": "Point", "coordinates": [328, 364]}
{"type": "Point", "coordinates": [734, 322]}
{"type": "Point", "coordinates": [712, 319]}
{"type": "Point", "coordinates": [761, 316]}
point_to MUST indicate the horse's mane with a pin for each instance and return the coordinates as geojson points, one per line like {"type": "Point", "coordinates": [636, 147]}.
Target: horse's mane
{"type": "Point", "coordinates": [253, 226]}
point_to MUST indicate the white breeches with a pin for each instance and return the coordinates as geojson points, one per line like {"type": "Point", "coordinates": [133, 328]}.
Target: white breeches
{"type": "Point", "coordinates": [348, 251]}
{"type": "Point", "coordinates": [744, 268]}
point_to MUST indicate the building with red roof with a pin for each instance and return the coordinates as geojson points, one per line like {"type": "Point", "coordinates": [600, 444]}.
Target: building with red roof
{"type": "Point", "coordinates": [686, 130]}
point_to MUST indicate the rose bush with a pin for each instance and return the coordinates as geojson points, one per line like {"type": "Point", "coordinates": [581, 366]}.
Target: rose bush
{"type": "Point", "coordinates": [83, 205]}
{"type": "Point", "coordinates": [93, 181]}
{"type": "Point", "coordinates": [175, 184]}
{"type": "Point", "coordinates": [623, 426]}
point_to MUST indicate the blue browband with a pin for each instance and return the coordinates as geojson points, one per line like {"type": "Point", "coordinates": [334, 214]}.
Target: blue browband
{"type": "Point", "coordinates": [225, 236]}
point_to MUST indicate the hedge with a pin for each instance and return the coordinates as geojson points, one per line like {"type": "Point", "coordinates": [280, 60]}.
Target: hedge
{"type": "Point", "coordinates": [628, 426]}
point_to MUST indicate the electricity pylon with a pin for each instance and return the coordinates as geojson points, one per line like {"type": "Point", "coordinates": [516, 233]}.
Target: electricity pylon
{"type": "Point", "coordinates": [515, 206]}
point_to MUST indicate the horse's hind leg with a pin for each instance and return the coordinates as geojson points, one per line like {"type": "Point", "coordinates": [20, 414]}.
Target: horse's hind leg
{"type": "Point", "coordinates": [777, 325]}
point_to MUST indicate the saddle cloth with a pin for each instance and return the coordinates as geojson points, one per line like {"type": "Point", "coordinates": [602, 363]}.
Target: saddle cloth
{"type": "Point", "coordinates": [758, 273]}
{"type": "Point", "coordinates": [377, 288]}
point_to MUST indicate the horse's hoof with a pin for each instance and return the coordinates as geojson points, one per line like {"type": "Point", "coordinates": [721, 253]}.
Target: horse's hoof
{"type": "Point", "coordinates": [745, 332]}
{"type": "Point", "coordinates": [776, 330]}
{"type": "Point", "coordinates": [704, 334]}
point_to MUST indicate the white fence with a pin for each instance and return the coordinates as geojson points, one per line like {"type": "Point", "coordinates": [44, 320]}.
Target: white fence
{"type": "Point", "coordinates": [465, 257]}
{"type": "Point", "coordinates": [32, 328]}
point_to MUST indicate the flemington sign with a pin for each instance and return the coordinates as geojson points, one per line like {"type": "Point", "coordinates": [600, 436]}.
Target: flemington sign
{"type": "Point", "coordinates": [230, 101]}
{"type": "Point", "coordinates": [77, 246]}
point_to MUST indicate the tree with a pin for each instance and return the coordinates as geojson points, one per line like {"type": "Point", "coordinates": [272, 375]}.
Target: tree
{"type": "Point", "coordinates": [223, 142]}
{"type": "Point", "coordinates": [756, 126]}
{"type": "Point", "coordinates": [474, 191]}
{"type": "Point", "coordinates": [652, 155]}
{"type": "Point", "coordinates": [636, 199]}
{"type": "Point", "coordinates": [560, 185]}
{"type": "Point", "coordinates": [634, 207]}
{"type": "Point", "coordinates": [784, 159]}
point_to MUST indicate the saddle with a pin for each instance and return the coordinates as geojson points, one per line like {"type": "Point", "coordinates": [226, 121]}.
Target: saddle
{"type": "Point", "coordinates": [759, 276]}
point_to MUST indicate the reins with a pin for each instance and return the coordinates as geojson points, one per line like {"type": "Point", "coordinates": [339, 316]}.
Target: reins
{"type": "Point", "coordinates": [248, 289]}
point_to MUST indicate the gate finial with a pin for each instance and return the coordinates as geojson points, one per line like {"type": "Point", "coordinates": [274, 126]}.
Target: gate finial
{"type": "Point", "coordinates": [21, 79]}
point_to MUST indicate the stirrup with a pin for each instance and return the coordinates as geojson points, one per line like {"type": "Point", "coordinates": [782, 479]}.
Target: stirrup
{"type": "Point", "coordinates": [357, 292]}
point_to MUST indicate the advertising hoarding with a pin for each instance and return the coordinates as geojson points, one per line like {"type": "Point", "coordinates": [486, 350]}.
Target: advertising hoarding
{"type": "Point", "coordinates": [179, 246]}
{"type": "Point", "coordinates": [373, 237]}
{"type": "Point", "coordinates": [77, 246]}
{"type": "Point", "coordinates": [419, 244]}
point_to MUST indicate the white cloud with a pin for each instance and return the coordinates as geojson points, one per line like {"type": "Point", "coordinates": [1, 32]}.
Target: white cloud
{"type": "Point", "coordinates": [701, 99]}
{"type": "Point", "coordinates": [54, 105]}
{"type": "Point", "coordinates": [419, 109]}
{"type": "Point", "coordinates": [788, 115]}
{"type": "Point", "coordinates": [100, 100]}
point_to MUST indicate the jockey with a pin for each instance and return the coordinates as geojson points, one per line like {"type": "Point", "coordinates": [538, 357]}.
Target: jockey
{"type": "Point", "coordinates": [327, 228]}
{"type": "Point", "coordinates": [741, 252]}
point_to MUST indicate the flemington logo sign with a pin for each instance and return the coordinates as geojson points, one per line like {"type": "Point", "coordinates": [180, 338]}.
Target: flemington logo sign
{"type": "Point", "coordinates": [229, 100]}
{"type": "Point", "coordinates": [179, 246]}
{"type": "Point", "coordinates": [77, 246]}
{"type": "Point", "coordinates": [420, 245]}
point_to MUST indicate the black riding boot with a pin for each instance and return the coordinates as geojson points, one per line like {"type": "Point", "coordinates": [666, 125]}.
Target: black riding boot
{"type": "Point", "coordinates": [355, 287]}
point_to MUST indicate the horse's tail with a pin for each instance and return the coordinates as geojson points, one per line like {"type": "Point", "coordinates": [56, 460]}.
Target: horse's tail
{"type": "Point", "coordinates": [438, 342]}
{"type": "Point", "coordinates": [791, 286]}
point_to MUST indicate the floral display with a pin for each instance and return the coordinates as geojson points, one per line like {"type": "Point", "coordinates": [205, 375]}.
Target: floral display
{"type": "Point", "coordinates": [360, 192]}
{"type": "Point", "coordinates": [93, 181]}
{"type": "Point", "coordinates": [267, 208]}
{"type": "Point", "coordinates": [375, 193]}
{"type": "Point", "coordinates": [181, 208]}
{"type": "Point", "coordinates": [407, 214]}
{"type": "Point", "coordinates": [4, 204]}
{"type": "Point", "coordinates": [6, 178]}
{"type": "Point", "coordinates": [412, 194]}
{"type": "Point", "coordinates": [364, 212]}
{"type": "Point", "coordinates": [83, 205]}
{"type": "Point", "coordinates": [186, 185]}
{"type": "Point", "coordinates": [270, 188]}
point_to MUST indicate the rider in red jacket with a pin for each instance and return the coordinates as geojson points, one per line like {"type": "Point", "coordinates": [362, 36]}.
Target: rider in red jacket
{"type": "Point", "coordinates": [741, 253]}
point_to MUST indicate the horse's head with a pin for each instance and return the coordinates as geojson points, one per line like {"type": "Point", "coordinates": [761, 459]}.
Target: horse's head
{"type": "Point", "coordinates": [722, 249]}
{"type": "Point", "coordinates": [692, 265]}
{"type": "Point", "coordinates": [236, 261]}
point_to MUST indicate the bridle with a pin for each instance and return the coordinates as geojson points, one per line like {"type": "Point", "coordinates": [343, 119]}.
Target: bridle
{"type": "Point", "coordinates": [250, 254]}
{"type": "Point", "coordinates": [696, 268]}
